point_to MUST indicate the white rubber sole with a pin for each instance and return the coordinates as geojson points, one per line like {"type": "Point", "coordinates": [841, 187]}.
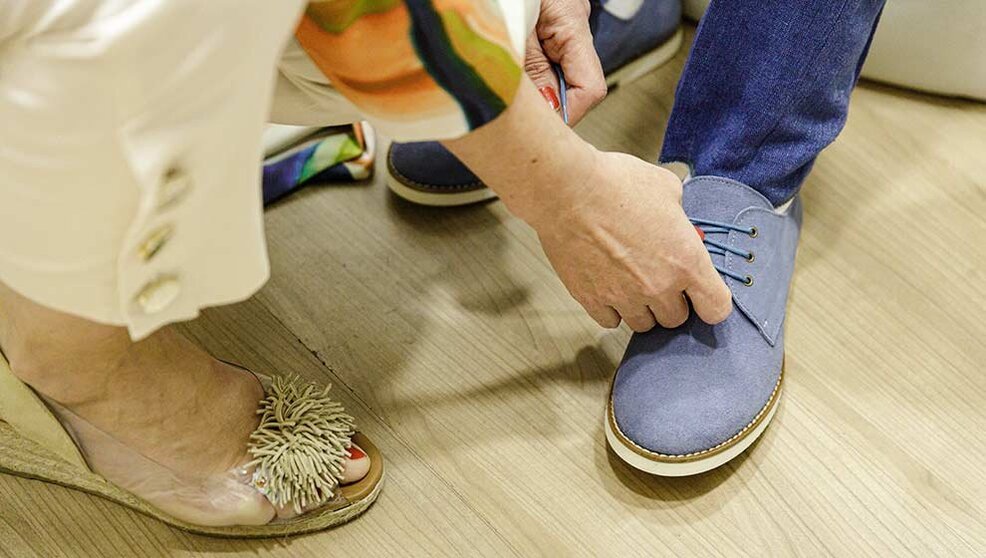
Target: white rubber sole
{"type": "Point", "coordinates": [636, 69]}
{"type": "Point", "coordinates": [691, 467]}
{"type": "Point", "coordinates": [436, 199]}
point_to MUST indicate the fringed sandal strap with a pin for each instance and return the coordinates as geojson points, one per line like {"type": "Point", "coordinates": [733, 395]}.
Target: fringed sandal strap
{"type": "Point", "coordinates": [299, 449]}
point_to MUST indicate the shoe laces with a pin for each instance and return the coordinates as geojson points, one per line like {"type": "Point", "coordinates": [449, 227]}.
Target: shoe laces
{"type": "Point", "coordinates": [706, 228]}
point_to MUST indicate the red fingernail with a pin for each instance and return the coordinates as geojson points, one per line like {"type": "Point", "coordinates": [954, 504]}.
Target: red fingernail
{"type": "Point", "coordinates": [701, 233]}
{"type": "Point", "coordinates": [549, 95]}
{"type": "Point", "coordinates": [355, 453]}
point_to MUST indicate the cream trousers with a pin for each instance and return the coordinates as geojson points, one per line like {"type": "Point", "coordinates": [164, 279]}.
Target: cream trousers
{"type": "Point", "coordinates": [131, 148]}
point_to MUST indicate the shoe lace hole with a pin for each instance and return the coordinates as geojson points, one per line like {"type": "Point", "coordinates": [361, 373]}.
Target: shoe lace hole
{"type": "Point", "coordinates": [749, 281]}
{"type": "Point", "coordinates": [754, 232]}
{"type": "Point", "coordinates": [751, 258]}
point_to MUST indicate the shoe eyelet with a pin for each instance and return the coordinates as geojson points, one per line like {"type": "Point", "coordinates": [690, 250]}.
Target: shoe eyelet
{"type": "Point", "coordinates": [754, 232]}
{"type": "Point", "coordinates": [749, 281]}
{"type": "Point", "coordinates": [751, 258]}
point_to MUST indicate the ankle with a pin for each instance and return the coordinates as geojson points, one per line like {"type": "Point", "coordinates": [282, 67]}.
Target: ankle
{"type": "Point", "coordinates": [54, 352]}
{"type": "Point", "coordinates": [57, 370]}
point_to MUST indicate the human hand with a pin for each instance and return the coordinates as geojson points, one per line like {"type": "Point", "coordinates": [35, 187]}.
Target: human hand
{"type": "Point", "coordinates": [562, 36]}
{"type": "Point", "coordinates": [623, 247]}
{"type": "Point", "coordinates": [611, 225]}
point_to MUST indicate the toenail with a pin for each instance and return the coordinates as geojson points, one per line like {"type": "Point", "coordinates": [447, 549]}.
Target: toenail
{"type": "Point", "coordinates": [356, 453]}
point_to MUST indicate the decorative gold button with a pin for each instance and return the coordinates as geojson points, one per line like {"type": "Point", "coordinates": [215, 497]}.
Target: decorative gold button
{"type": "Point", "coordinates": [158, 294]}
{"type": "Point", "coordinates": [175, 185]}
{"type": "Point", "coordinates": [155, 241]}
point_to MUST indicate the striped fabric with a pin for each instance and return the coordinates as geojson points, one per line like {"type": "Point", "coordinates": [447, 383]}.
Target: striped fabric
{"type": "Point", "coordinates": [336, 154]}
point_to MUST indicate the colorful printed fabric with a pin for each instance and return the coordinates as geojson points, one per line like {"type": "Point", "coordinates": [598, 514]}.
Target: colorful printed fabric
{"type": "Point", "coordinates": [447, 64]}
{"type": "Point", "coordinates": [336, 154]}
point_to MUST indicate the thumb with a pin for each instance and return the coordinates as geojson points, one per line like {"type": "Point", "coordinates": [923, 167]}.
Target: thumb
{"type": "Point", "coordinates": [539, 69]}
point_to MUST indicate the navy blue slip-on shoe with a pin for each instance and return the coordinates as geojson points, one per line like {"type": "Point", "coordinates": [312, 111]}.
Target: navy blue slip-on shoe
{"type": "Point", "coordinates": [632, 38]}
{"type": "Point", "coordinates": [689, 399]}
{"type": "Point", "coordinates": [426, 173]}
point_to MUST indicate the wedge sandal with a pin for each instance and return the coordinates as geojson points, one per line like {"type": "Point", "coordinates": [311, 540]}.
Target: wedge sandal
{"type": "Point", "coordinates": [298, 452]}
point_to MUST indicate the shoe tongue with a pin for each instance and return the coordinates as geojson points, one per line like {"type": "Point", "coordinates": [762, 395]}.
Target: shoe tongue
{"type": "Point", "coordinates": [726, 201]}
{"type": "Point", "coordinates": [719, 199]}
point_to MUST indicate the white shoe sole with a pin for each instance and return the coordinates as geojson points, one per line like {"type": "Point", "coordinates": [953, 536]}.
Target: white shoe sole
{"type": "Point", "coordinates": [683, 466]}
{"type": "Point", "coordinates": [636, 69]}
{"type": "Point", "coordinates": [434, 199]}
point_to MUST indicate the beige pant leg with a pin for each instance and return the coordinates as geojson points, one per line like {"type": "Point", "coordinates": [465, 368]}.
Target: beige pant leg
{"type": "Point", "coordinates": [130, 159]}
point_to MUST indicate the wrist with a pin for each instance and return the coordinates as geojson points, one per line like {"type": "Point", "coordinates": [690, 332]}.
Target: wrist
{"type": "Point", "coordinates": [529, 157]}
{"type": "Point", "coordinates": [557, 188]}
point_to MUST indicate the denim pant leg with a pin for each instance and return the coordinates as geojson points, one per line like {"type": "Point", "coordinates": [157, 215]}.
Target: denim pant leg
{"type": "Point", "coordinates": [766, 88]}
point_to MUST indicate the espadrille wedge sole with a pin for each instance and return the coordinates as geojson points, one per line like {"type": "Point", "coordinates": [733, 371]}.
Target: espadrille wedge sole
{"type": "Point", "coordinates": [34, 445]}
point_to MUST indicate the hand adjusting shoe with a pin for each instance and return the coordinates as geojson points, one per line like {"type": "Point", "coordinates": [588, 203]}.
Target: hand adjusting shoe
{"type": "Point", "coordinates": [689, 399]}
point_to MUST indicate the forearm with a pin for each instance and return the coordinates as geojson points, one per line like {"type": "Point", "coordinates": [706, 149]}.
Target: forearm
{"type": "Point", "coordinates": [528, 156]}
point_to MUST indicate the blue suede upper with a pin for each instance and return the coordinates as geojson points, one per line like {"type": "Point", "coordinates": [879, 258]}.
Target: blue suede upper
{"type": "Point", "coordinates": [693, 388]}
{"type": "Point", "coordinates": [428, 165]}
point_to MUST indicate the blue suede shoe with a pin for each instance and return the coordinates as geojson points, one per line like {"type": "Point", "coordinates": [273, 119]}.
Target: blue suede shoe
{"type": "Point", "coordinates": [632, 38]}
{"type": "Point", "coordinates": [689, 399]}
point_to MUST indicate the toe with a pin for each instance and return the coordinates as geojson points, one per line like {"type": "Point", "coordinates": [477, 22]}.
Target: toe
{"type": "Point", "coordinates": [357, 465]}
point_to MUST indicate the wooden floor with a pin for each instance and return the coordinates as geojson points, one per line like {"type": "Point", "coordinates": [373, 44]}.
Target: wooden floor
{"type": "Point", "coordinates": [447, 335]}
